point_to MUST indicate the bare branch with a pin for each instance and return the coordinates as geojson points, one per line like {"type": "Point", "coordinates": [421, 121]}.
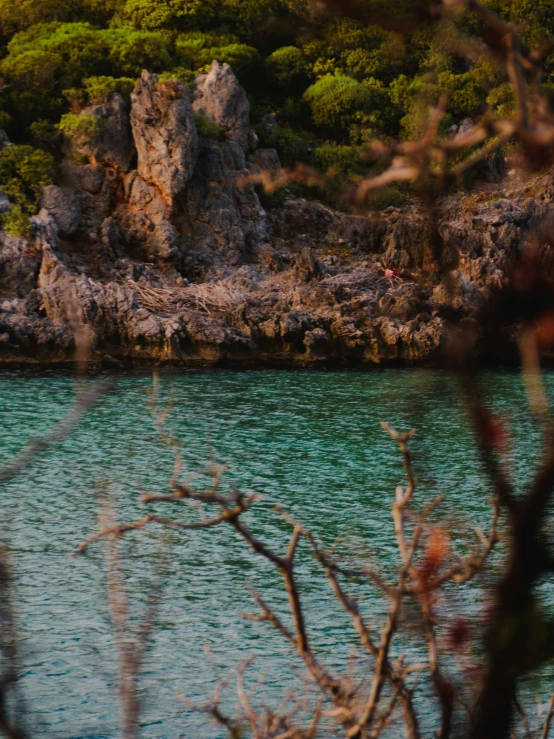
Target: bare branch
{"type": "Point", "coordinates": [548, 718]}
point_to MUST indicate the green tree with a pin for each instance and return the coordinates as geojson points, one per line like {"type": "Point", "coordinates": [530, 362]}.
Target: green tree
{"type": "Point", "coordinates": [197, 50]}
{"type": "Point", "coordinates": [18, 15]}
{"type": "Point", "coordinates": [175, 15]}
{"type": "Point", "coordinates": [350, 48]}
{"type": "Point", "coordinates": [99, 89]}
{"type": "Point", "coordinates": [338, 103]}
{"type": "Point", "coordinates": [287, 67]}
{"type": "Point", "coordinates": [132, 51]}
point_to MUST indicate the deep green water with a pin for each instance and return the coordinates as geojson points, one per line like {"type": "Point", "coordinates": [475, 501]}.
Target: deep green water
{"type": "Point", "coordinates": [308, 440]}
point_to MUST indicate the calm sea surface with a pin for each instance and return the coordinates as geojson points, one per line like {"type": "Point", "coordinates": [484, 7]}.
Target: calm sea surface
{"type": "Point", "coordinates": [308, 440]}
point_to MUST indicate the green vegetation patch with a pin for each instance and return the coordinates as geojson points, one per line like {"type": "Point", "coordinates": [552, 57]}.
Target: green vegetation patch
{"type": "Point", "coordinates": [24, 171]}
{"type": "Point", "coordinates": [335, 83]}
{"type": "Point", "coordinates": [80, 125]}
{"type": "Point", "coordinates": [206, 128]}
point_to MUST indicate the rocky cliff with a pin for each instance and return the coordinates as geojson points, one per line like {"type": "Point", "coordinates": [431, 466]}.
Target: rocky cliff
{"type": "Point", "coordinates": [150, 249]}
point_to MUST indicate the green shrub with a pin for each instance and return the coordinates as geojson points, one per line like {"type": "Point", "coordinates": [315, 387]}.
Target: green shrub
{"type": "Point", "coordinates": [16, 222]}
{"type": "Point", "coordinates": [5, 120]}
{"type": "Point", "coordinates": [99, 89]}
{"type": "Point", "coordinates": [206, 128]}
{"type": "Point", "coordinates": [147, 15]}
{"type": "Point", "coordinates": [80, 126]}
{"type": "Point", "coordinates": [386, 197]}
{"type": "Point", "coordinates": [466, 95]}
{"type": "Point", "coordinates": [261, 22]}
{"type": "Point", "coordinates": [58, 54]}
{"type": "Point", "coordinates": [350, 48]}
{"type": "Point", "coordinates": [327, 76]}
{"type": "Point", "coordinates": [287, 66]}
{"type": "Point", "coordinates": [196, 51]}
{"type": "Point", "coordinates": [45, 60]}
{"type": "Point", "coordinates": [335, 101]}
{"type": "Point", "coordinates": [338, 158]}
{"type": "Point", "coordinates": [45, 135]}
{"type": "Point", "coordinates": [292, 146]}
{"type": "Point", "coordinates": [24, 171]}
{"type": "Point", "coordinates": [132, 51]}
{"type": "Point", "coordinates": [502, 100]}
{"type": "Point", "coordinates": [18, 15]}
{"type": "Point", "coordinates": [179, 74]}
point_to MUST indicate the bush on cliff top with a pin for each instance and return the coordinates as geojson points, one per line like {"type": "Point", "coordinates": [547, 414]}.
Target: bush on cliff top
{"type": "Point", "coordinates": [80, 126]}
{"type": "Point", "coordinates": [327, 78]}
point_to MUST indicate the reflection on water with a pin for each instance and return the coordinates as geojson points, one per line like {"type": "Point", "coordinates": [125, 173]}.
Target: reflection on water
{"type": "Point", "coordinates": [309, 440]}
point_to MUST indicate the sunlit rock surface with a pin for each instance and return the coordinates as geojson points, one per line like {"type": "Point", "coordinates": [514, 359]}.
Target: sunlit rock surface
{"type": "Point", "coordinates": [156, 246]}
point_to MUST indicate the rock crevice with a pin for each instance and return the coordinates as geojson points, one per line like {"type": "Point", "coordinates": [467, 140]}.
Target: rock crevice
{"type": "Point", "coordinates": [153, 249]}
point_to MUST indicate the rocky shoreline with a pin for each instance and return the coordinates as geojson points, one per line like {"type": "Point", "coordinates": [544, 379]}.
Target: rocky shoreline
{"type": "Point", "coordinates": [149, 251]}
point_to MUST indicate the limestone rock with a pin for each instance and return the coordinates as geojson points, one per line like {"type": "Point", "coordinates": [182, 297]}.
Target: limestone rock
{"type": "Point", "coordinates": [224, 223]}
{"type": "Point", "coordinates": [267, 159]}
{"type": "Point", "coordinates": [465, 125]}
{"type": "Point", "coordinates": [307, 265]}
{"type": "Point", "coordinates": [164, 132]}
{"type": "Point", "coordinates": [87, 177]}
{"type": "Point", "coordinates": [63, 206]}
{"type": "Point", "coordinates": [317, 343]}
{"type": "Point", "coordinates": [220, 98]}
{"type": "Point", "coordinates": [4, 202]}
{"type": "Point", "coordinates": [4, 140]}
{"type": "Point", "coordinates": [19, 265]}
{"type": "Point", "coordinates": [148, 222]}
{"type": "Point", "coordinates": [179, 261]}
{"type": "Point", "coordinates": [233, 157]}
{"type": "Point", "coordinates": [458, 292]}
{"type": "Point", "coordinates": [112, 145]}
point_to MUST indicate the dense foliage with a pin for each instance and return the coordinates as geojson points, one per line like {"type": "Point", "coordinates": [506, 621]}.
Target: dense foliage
{"type": "Point", "coordinates": [24, 171]}
{"type": "Point", "coordinates": [334, 82]}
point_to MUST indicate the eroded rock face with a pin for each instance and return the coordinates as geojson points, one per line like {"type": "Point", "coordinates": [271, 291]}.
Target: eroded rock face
{"type": "Point", "coordinates": [222, 223]}
{"type": "Point", "coordinates": [220, 98]}
{"type": "Point", "coordinates": [19, 266]}
{"type": "Point", "coordinates": [112, 145]}
{"type": "Point", "coordinates": [178, 260]}
{"type": "Point", "coordinates": [146, 219]}
{"type": "Point", "coordinates": [4, 202]}
{"type": "Point", "coordinates": [82, 177]}
{"type": "Point", "coordinates": [267, 159]}
{"type": "Point", "coordinates": [164, 133]}
{"type": "Point", "coordinates": [63, 206]}
{"type": "Point", "coordinates": [4, 140]}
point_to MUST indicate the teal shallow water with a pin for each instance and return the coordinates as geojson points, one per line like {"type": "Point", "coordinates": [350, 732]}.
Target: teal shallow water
{"type": "Point", "coordinates": [308, 440]}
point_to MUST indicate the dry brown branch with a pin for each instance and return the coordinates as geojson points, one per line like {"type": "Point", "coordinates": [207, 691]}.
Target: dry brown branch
{"type": "Point", "coordinates": [368, 713]}
{"type": "Point", "coordinates": [213, 709]}
{"type": "Point", "coordinates": [264, 724]}
{"type": "Point", "coordinates": [351, 607]}
{"type": "Point", "coordinates": [545, 732]}
{"type": "Point", "coordinates": [9, 726]}
{"type": "Point", "coordinates": [130, 647]}
{"type": "Point", "coordinates": [208, 297]}
{"type": "Point", "coordinates": [428, 161]}
{"type": "Point", "coordinates": [119, 530]}
{"type": "Point", "coordinates": [360, 717]}
{"type": "Point", "coordinates": [268, 615]}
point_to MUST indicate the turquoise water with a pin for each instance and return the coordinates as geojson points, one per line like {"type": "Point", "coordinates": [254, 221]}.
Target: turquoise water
{"type": "Point", "coordinates": [308, 440]}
